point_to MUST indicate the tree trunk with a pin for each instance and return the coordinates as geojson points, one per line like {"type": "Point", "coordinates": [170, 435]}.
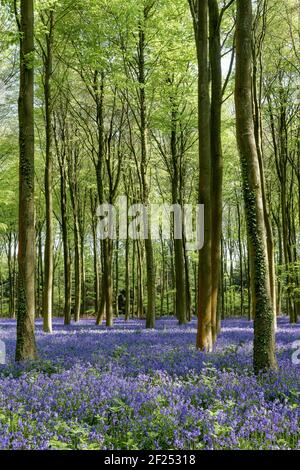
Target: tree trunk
{"type": "Point", "coordinates": [48, 270]}
{"type": "Point", "coordinates": [127, 277]}
{"type": "Point", "coordinates": [179, 266]}
{"type": "Point", "coordinates": [240, 257]}
{"type": "Point", "coordinates": [187, 282]}
{"type": "Point", "coordinates": [133, 297]}
{"type": "Point", "coordinates": [93, 202]}
{"type": "Point", "coordinates": [99, 100]}
{"type": "Point", "coordinates": [65, 239]}
{"type": "Point", "coordinates": [10, 276]}
{"type": "Point", "coordinates": [162, 276]}
{"type": "Point", "coordinates": [264, 332]}
{"type": "Point", "coordinates": [150, 267]}
{"type": "Point", "coordinates": [40, 276]}
{"type": "Point", "coordinates": [140, 287]}
{"type": "Point", "coordinates": [116, 283]}
{"type": "Point", "coordinates": [204, 333]}
{"type": "Point", "coordinates": [77, 269]}
{"type": "Point", "coordinates": [73, 157]}
{"type": "Point", "coordinates": [216, 156]}
{"type": "Point", "coordinates": [25, 346]}
{"type": "Point", "coordinates": [82, 261]}
{"type": "Point", "coordinates": [102, 290]}
{"type": "Point", "coordinates": [108, 253]}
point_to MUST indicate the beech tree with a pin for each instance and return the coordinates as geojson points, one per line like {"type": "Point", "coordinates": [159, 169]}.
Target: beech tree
{"type": "Point", "coordinates": [48, 21]}
{"type": "Point", "coordinates": [264, 335]}
{"type": "Point", "coordinates": [26, 347]}
{"type": "Point", "coordinates": [207, 23]}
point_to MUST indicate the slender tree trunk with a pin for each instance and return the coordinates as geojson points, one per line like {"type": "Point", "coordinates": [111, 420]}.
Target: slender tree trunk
{"type": "Point", "coordinates": [116, 283]}
{"type": "Point", "coordinates": [180, 281]}
{"type": "Point", "coordinates": [108, 251]}
{"type": "Point", "coordinates": [140, 290]}
{"type": "Point", "coordinates": [10, 276]}
{"type": "Point", "coordinates": [77, 269]}
{"type": "Point", "coordinates": [102, 304]}
{"type": "Point", "coordinates": [15, 236]}
{"type": "Point", "coordinates": [195, 286]}
{"type": "Point", "coordinates": [127, 277]}
{"type": "Point", "coordinates": [172, 270]}
{"type": "Point", "coordinates": [25, 346]}
{"type": "Point", "coordinates": [93, 203]}
{"type": "Point", "coordinates": [65, 239]}
{"type": "Point", "coordinates": [77, 239]}
{"type": "Point", "coordinates": [150, 267]}
{"type": "Point", "coordinates": [280, 262]}
{"type": "Point", "coordinates": [187, 282]}
{"type": "Point", "coordinates": [48, 270]}
{"type": "Point", "coordinates": [216, 157]}
{"type": "Point", "coordinates": [179, 266]}
{"type": "Point", "coordinates": [204, 334]}
{"type": "Point", "coordinates": [162, 277]}
{"type": "Point", "coordinates": [133, 279]}
{"type": "Point", "coordinates": [240, 257]}
{"type": "Point", "coordinates": [222, 316]}
{"type": "Point", "coordinates": [40, 286]}
{"type": "Point", "coordinates": [82, 264]}
{"type": "Point", "coordinates": [99, 100]}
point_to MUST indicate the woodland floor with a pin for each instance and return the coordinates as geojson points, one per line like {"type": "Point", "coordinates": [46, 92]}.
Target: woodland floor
{"type": "Point", "coordinates": [131, 388]}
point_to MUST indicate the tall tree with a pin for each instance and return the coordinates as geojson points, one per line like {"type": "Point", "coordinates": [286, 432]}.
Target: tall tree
{"type": "Point", "coordinates": [264, 334]}
{"type": "Point", "coordinates": [73, 159]}
{"type": "Point", "coordinates": [26, 347]}
{"type": "Point", "coordinates": [216, 156]}
{"type": "Point", "coordinates": [144, 162]}
{"type": "Point", "coordinates": [60, 138]}
{"type": "Point", "coordinates": [257, 76]}
{"type": "Point", "coordinates": [199, 11]}
{"type": "Point", "coordinates": [47, 19]}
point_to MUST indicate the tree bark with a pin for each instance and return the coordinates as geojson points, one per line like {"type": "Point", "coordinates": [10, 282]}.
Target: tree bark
{"type": "Point", "coordinates": [216, 157]}
{"type": "Point", "coordinates": [93, 202]}
{"type": "Point", "coordinates": [108, 253]}
{"type": "Point", "coordinates": [150, 267]}
{"type": "Point", "coordinates": [25, 346]}
{"type": "Point", "coordinates": [127, 277]}
{"type": "Point", "coordinates": [48, 269]}
{"type": "Point", "coordinates": [65, 237]}
{"type": "Point", "coordinates": [72, 169]}
{"type": "Point", "coordinates": [179, 265]}
{"type": "Point", "coordinates": [204, 333]}
{"type": "Point", "coordinates": [264, 332]}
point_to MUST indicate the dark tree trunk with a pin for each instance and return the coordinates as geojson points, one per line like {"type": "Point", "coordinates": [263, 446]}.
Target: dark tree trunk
{"type": "Point", "coordinates": [150, 267]}
{"type": "Point", "coordinates": [72, 168]}
{"type": "Point", "coordinates": [93, 201]}
{"type": "Point", "coordinates": [240, 257]}
{"type": "Point", "coordinates": [179, 266]}
{"type": "Point", "coordinates": [26, 347]}
{"type": "Point", "coordinates": [48, 270]}
{"type": "Point", "coordinates": [108, 253]}
{"type": "Point", "coordinates": [127, 277]}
